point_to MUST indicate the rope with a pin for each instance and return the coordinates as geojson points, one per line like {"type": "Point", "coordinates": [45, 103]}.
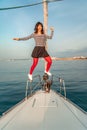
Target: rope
{"type": "Point", "coordinates": [17, 7]}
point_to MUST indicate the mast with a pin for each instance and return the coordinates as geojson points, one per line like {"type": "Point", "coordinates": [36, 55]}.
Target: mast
{"type": "Point", "coordinates": [45, 10]}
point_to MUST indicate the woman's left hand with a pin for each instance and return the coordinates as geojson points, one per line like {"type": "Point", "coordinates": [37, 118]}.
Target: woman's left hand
{"type": "Point", "coordinates": [52, 28]}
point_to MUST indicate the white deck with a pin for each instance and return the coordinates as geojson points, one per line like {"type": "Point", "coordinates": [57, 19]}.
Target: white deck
{"type": "Point", "coordinates": [44, 111]}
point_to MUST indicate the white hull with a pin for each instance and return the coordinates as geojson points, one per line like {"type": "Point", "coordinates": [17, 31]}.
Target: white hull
{"type": "Point", "coordinates": [44, 111]}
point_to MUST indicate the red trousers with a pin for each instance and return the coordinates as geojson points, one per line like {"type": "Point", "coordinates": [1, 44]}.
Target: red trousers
{"type": "Point", "coordinates": [35, 62]}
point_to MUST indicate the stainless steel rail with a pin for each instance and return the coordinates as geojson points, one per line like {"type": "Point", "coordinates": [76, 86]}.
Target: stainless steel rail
{"type": "Point", "coordinates": [39, 82]}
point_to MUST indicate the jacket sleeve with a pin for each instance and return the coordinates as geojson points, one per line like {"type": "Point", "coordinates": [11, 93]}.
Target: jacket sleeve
{"type": "Point", "coordinates": [50, 36]}
{"type": "Point", "coordinates": [26, 38]}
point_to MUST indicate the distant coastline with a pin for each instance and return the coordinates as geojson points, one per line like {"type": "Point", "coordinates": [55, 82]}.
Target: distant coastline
{"type": "Point", "coordinates": [14, 59]}
{"type": "Point", "coordinates": [53, 58]}
{"type": "Point", "coordinates": [70, 58]}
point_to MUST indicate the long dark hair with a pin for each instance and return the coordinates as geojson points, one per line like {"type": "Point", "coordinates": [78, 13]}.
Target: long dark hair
{"type": "Point", "coordinates": [36, 27]}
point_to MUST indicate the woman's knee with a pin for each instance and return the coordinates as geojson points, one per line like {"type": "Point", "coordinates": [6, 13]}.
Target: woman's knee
{"type": "Point", "coordinates": [35, 61]}
{"type": "Point", "coordinates": [48, 59]}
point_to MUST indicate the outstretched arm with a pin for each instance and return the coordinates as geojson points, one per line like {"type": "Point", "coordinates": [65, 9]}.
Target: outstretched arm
{"type": "Point", "coordinates": [51, 35]}
{"type": "Point", "coordinates": [24, 38]}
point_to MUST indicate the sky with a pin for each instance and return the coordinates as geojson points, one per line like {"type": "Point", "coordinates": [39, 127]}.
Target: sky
{"type": "Point", "coordinates": [68, 17]}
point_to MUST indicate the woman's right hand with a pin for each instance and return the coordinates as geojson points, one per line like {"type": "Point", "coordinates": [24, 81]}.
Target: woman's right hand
{"type": "Point", "coordinates": [16, 39]}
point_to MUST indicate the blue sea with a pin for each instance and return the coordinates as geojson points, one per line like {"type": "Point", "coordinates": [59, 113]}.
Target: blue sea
{"type": "Point", "coordinates": [13, 78]}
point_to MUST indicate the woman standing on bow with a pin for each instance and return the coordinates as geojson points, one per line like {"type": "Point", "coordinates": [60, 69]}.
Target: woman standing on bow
{"type": "Point", "coordinates": [39, 50]}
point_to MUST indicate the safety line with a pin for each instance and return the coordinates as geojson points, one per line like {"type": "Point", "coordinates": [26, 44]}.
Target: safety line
{"type": "Point", "coordinates": [23, 6]}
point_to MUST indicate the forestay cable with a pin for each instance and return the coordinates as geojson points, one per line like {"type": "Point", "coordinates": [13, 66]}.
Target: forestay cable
{"type": "Point", "coordinates": [23, 6]}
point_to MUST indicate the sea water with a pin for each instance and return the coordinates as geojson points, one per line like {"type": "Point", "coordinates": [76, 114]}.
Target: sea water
{"type": "Point", "coordinates": [13, 78]}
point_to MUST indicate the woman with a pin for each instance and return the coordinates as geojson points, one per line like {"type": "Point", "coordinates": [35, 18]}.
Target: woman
{"type": "Point", "coordinates": [39, 51]}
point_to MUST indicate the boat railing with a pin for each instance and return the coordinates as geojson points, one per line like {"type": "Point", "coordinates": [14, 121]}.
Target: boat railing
{"type": "Point", "coordinates": [59, 82]}
{"type": "Point", "coordinates": [43, 82]}
{"type": "Point", "coordinates": [31, 86]}
{"type": "Point", "coordinates": [62, 86]}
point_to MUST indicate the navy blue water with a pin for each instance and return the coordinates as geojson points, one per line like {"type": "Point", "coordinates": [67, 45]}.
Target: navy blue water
{"type": "Point", "coordinates": [13, 77]}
